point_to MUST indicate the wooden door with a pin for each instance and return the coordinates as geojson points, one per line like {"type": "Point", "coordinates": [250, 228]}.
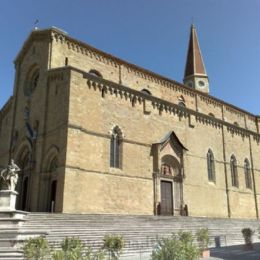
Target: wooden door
{"type": "Point", "coordinates": [166, 198]}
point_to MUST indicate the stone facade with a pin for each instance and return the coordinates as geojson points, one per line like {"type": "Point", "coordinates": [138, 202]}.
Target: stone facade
{"type": "Point", "coordinates": [68, 99]}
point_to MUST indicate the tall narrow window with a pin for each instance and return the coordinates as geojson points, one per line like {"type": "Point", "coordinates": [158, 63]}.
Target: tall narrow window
{"type": "Point", "coordinates": [211, 166]}
{"type": "Point", "coordinates": [116, 148]}
{"type": "Point", "coordinates": [247, 171]}
{"type": "Point", "coordinates": [233, 169]}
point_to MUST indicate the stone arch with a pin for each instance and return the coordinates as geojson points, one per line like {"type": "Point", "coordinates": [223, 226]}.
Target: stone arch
{"type": "Point", "coordinates": [170, 186]}
{"type": "Point", "coordinates": [24, 161]}
{"type": "Point", "coordinates": [146, 91]}
{"type": "Point", "coordinates": [170, 165]}
{"type": "Point", "coordinates": [49, 180]}
{"type": "Point", "coordinates": [31, 80]}
{"type": "Point", "coordinates": [95, 73]}
{"type": "Point", "coordinates": [53, 151]}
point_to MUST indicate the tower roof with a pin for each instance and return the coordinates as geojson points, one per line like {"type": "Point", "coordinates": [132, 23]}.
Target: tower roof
{"type": "Point", "coordinates": [194, 63]}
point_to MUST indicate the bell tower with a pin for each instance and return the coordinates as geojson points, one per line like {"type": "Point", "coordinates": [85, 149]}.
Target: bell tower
{"type": "Point", "coordinates": [195, 75]}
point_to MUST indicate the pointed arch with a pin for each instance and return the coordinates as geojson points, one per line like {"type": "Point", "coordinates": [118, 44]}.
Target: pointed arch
{"type": "Point", "coordinates": [247, 171]}
{"type": "Point", "coordinates": [211, 166]}
{"type": "Point", "coordinates": [23, 158]}
{"type": "Point", "coordinates": [51, 154]}
{"type": "Point", "coordinates": [32, 80]}
{"type": "Point", "coordinates": [116, 148]}
{"type": "Point", "coordinates": [233, 170]}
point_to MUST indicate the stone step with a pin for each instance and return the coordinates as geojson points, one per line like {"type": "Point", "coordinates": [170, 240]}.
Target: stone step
{"type": "Point", "coordinates": [140, 233]}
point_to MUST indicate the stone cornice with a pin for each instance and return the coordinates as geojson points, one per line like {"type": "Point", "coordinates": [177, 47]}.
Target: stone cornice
{"type": "Point", "coordinates": [36, 35]}
{"type": "Point", "coordinates": [6, 107]}
{"type": "Point", "coordinates": [101, 56]}
{"type": "Point", "coordinates": [105, 86]}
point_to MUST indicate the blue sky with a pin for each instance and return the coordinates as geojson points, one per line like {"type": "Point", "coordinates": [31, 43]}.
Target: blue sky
{"type": "Point", "coordinates": [152, 34]}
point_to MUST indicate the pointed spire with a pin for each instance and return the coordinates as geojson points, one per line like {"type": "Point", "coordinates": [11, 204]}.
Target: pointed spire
{"type": "Point", "coordinates": [195, 68]}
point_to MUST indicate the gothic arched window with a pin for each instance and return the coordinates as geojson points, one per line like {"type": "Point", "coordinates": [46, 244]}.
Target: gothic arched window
{"type": "Point", "coordinates": [233, 169]}
{"type": "Point", "coordinates": [247, 172]}
{"type": "Point", "coordinates": [211, 166]}
{"type": "Point", "coordinates": [116, 148]}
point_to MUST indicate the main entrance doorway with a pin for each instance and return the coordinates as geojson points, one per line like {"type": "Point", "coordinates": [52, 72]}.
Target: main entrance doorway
{"type": "Point", "coordinates": [166, 198]}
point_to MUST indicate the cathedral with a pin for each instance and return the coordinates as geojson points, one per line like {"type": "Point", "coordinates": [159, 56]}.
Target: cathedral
{"type": "Point", "coordinates": [95, 134]}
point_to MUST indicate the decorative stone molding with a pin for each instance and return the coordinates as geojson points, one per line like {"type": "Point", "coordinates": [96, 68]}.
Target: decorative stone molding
{"type": "Point", "coordinates": [159, 104]}
{"type": "Point", "coordinates": [6, 108]}
{"type": "Point", "coordinates": [55, 76]}
{"type": "Point", "coordinates": [237, 131]}
{"type": "Point", "coordinates": [208, 120]}
{"type": "Point", "coordinates": [234, 111]}
{"type": "Point", "coordinates": [209, 100]}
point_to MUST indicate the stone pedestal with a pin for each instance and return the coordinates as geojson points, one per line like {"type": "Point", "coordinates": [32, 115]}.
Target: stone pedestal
{"type": "Point", "coordinates": [7, 200]}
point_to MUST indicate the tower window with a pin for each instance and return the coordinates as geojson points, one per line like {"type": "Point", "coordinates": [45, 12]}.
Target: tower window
{"type": "Point", "coordinates": [201, 83]}
{"type": "Point", "coordinates": [247, 172]}
{"type": "Point", "coordinates": [211, 166]}
{"type": "Point", "coordinates": [190, 84]}
{"type": "Point", "coordinates": [233, 169]}
{"type": "Point", "coordinates": [116, 148]}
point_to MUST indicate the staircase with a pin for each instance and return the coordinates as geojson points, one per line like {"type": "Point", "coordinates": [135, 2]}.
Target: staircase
{"type": "Point", "coordinates": [140, 232]}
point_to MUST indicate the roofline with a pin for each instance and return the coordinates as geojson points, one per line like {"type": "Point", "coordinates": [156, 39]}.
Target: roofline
{"type": "Point", "coordinates": [122, 62]}
{"type": "Point", "coordinates": [6, 106]}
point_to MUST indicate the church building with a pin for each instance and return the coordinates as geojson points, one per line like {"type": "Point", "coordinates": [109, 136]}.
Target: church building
{"type": "Point", "coordinates": [95, 134]}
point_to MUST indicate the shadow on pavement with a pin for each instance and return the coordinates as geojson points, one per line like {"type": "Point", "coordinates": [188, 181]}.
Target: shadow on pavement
{"type": "Point", "coordinates": [236, 252]}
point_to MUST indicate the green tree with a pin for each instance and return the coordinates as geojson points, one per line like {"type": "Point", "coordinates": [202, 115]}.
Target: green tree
{"type": "Point", "coordinates": [36, 249]}
{"type": "Point", "coordinates": [114, 245]}
{"type": "Point", "coordinates": [176, 247]}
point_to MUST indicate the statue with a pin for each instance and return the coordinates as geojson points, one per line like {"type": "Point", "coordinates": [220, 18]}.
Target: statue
{"type": "Point", "coordinates": [9, 176]}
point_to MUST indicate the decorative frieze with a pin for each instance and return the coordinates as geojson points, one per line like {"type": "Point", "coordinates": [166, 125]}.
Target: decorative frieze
{"type": "Point", "coordinates": [208, 120]}
{"type": "Point", "coordinates": [237, 131]}
{"type": "Point", "coordinates": [56, 76]}
{"type": "Point", "coordinates": [234, 111]}
{"type": "Point", "coordinates": [209, 100]}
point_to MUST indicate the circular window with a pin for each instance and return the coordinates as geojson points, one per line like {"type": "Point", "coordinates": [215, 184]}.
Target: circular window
{"type": "Point", "coordinates": [201, 83]}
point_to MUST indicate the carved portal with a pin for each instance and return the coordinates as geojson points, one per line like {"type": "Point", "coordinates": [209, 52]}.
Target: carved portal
{"type": "Point", "coordinates": [168, 175]}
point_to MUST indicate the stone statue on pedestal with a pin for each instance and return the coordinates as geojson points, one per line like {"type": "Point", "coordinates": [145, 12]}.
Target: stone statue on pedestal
{"type": "Point", "coordinates": [9, 176]}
